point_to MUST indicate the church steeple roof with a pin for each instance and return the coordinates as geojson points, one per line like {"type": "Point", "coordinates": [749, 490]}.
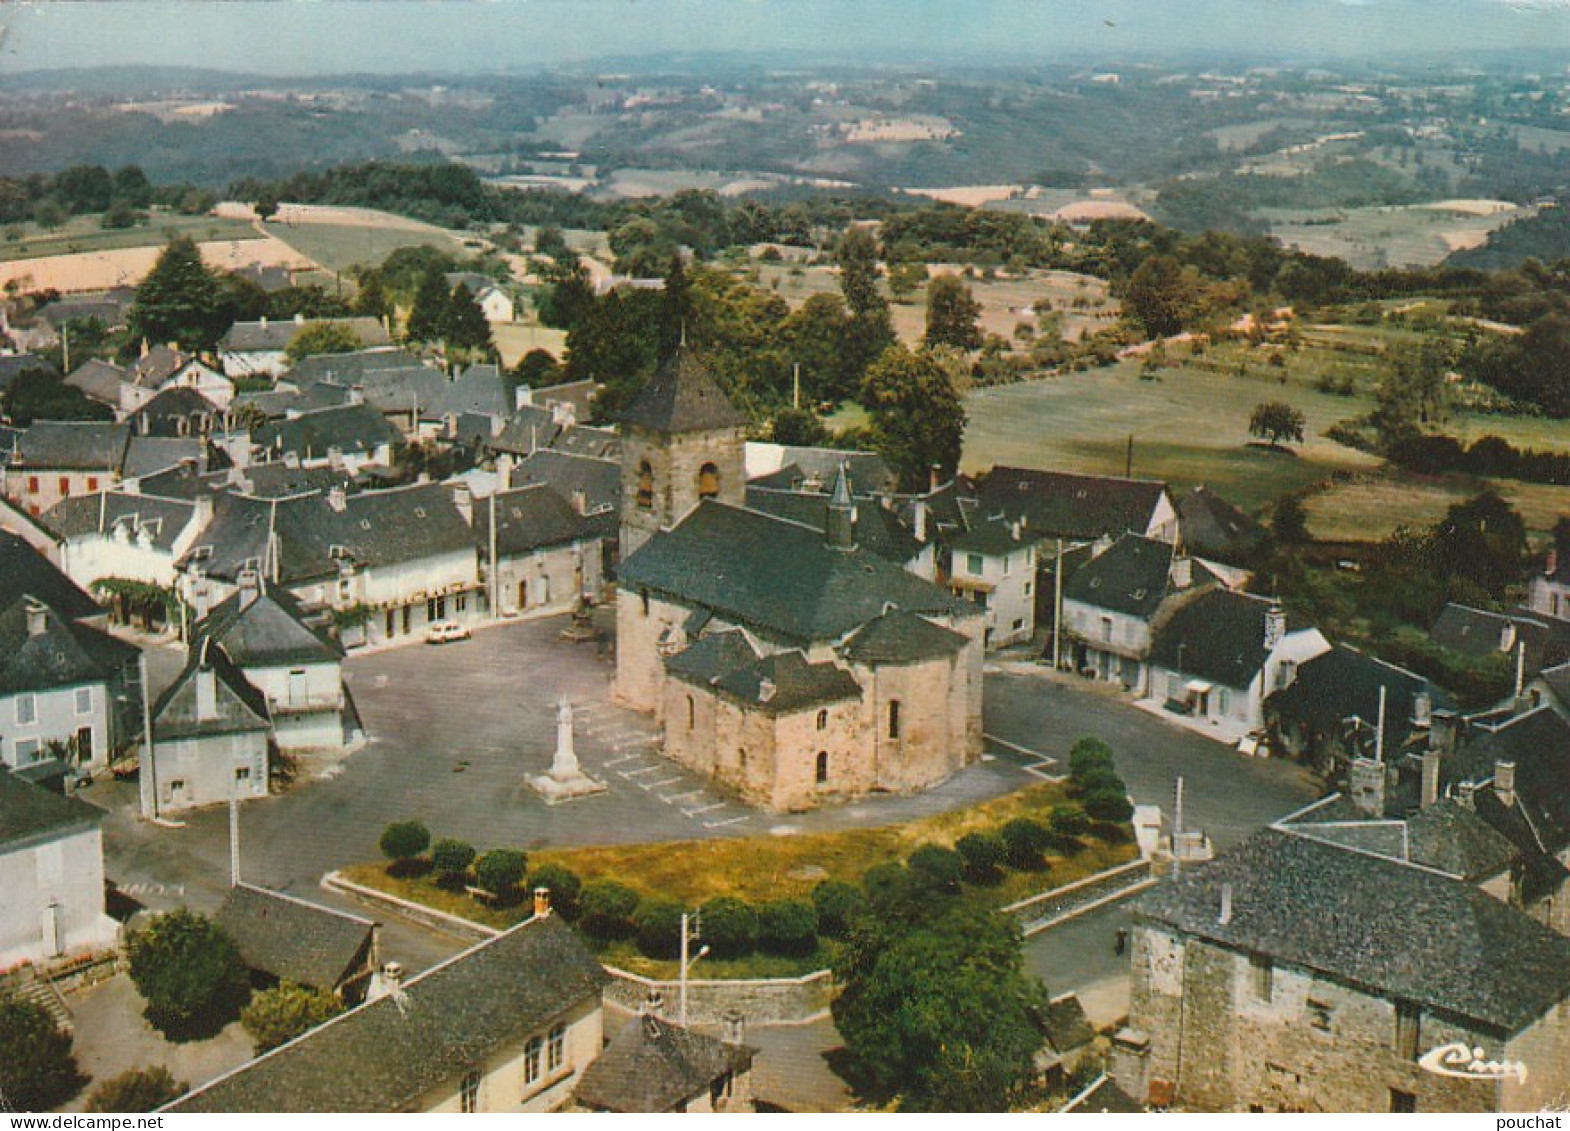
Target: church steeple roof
{"type": "Point", "coordinates": [683, 397]}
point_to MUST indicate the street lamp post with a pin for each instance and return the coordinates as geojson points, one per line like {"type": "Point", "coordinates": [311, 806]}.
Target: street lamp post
{"type": "Point", "coordinates": [691, 929]}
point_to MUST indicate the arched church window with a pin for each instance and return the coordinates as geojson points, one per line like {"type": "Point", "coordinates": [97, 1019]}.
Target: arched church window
{"type": "Point", "coordinates": [708, 481]}
{"type": "Point", "coordinates": [645, 485]}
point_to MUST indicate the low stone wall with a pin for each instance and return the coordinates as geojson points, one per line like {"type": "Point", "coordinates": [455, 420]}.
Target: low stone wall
{"type": "Point", "coordinates": [418, 912]}
{"type": "Point", "coordinates": [1052, 907]}
{"type": "Point", "coordinates": [760, 1001]}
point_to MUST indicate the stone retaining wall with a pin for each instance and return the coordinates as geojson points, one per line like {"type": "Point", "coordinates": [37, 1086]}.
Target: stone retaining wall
{"type": "Point", "coordinates": [1051, 907]}
{"type": "Point", "coordinates": [418, 912]}
{"type": "Point", "coordinates": [760, 1001]}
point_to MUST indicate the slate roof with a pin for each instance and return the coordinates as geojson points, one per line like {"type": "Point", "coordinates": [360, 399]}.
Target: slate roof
{"type": "Point", "coordinates": [478, 389]}
{"type": "Point", "coordinates": [1065, 1025]}
{"type": "Point", "coordinates": [24, 572]}
{"type": "Point", "coordinates": [1103, 1098]}
{"type": "Point", "coordinates": [73, 445]}
{"type": "Point", "coordinates": [107, 309]}
{"type": "Point", "coordinates": [1538, 742]}
{"type": "Point", "coordinates": [13, 366]}
{"type": "Point", "coordinates": [354, 429]}
{"type": "Point", "coordinates": [269, 335]}
{"type": "Point", "coordinates": [598, 479]}
{"type": "Point", "coordinates": [280, 402]}
{"type": "Point", "coordinates": [813, 469]}
{"type": "Point", "coordinates": [388, 1053]}
{"type": "Point", "coordinates": [785, 683]}
{"type": "Point", "coordinates": [1343, 682]}
{"type": "Point", "coordinates": [1557, 680]}
{"type": "Point", "coordinates": [348, 368]}
{"type": "Point", "coordinates": [269, 279]}
{"type": "Point", "coordinates": [292, 940]}
{"type": "Point", "coordinates": [1449, 836]}
{"type": "Point", "coordinates": [1131, 576]}
{"type": "Point", "coordinates": [157, 365]}
{"type": "Point", "coordinates": [30, 814]}
{"type": "Point", "coordinates": [1222, 634]}
{"type": "Point", "coordinates": [99, 380]}
{"type": "Point", "coordinates": [877, 528]}
{"type": "Point", "coordinates": [148, 455]}
{"type": "Point", "coordinates": [162, 415]}
{"type": "Point", "coordinates": [652, 1065]}
{"type": "Point", "coordinates": [714, 655]}
{"type": "Point", "coordinates": [901, 637]}
{"type": "Point", "coordinates": [1478, 632]}
{"type": "Point", "coordinates": [682, 397]}
{"type": "Point", "coordinates": [1060, 504]}
{"type": "Point", "coordinates": [1384, 927]}
{"type": "Point", "coordinates": [578, 394]}
{"type": "Point", "coordinates": [527, 430]}
{"type": "Point", "coordinates": [265, 630]}
{"type": "Point", "coordinates": [66, 654]}
{"type": "Point", "coordinates": [993, 536]}
{"type": "Point", "coordinates": [241, 708]}
{"type": "Point", "coordinates": [1214, 528]}
{"type": "Point", "coordinates": [581, 440]}
{"type": "Point", "coordinates": [401, 524]}
{"type": "Point", "coordinates": [532, 518]}
{"type": "Point", "coordinates": [237, 537]}
{"type": "Point", "coordinates": [162, 520]}
{"type": "Point", "coordinates": [776, 576]}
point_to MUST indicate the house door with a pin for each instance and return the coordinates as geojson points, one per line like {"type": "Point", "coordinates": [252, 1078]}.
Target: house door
{"type": "Point", "coordinates": [406, 619]}
{"type": "Point", "coordinates": [523, 594]}
{"type": "Point", "coordinates": [84, 745]}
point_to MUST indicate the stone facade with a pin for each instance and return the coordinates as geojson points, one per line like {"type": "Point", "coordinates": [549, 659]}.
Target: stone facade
{"type": "Point", "coordinates": [664, 476]}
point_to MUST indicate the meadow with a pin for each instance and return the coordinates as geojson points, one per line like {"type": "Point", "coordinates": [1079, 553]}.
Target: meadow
{"type": "Point", "coordinates": [82, 235]}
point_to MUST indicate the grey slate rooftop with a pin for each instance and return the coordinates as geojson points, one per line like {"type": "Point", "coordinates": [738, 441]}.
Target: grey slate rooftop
{"type": "Point", "coordinates": [536, 517]}
{"type": "Point", "coordinates": [901, 637]}
{"type": "Point", "coordinates": [66, 653]}
{"type": "Point", "coordinates": [240, 707]}
{"type": "Point", "coordinates": [785, 683]}
{"type": "Point", "coordinates": [1388, 928]}
{"type": "Point", "coordinates": [598, 479]}
{"type": "Point", "coordinates": [1063, 505]}
{"type": "Point", "coordinates": [776, 576]}
{"type": "Point", "coordinates": [1344, 682]}
{"type": "Point", "coordinates": [265, 630]}
{"type": "Point", "coordinates": [711, 657]}
{"type": "Point", "coordinates": [386, 1054]}
{"type": "Point", "coordinates": [70, 445]}
{"type": "Point", "coordinates": [24, 572]}
{"type": "Point", "coordinates": [683, 396]}
{"type": "Point", "coordinates": [293, 940]}
{"type": "Point", "coordinates": [1132, 576]}
{"type": "Point", "coordinates": [31, 814]}
{"type": "Point", "coordinates": [876, 528]}
{"type": "Point", "coordinates": [1222, 635]}
{"type": "Point", "coordinates": [99, 380]}
{"type": "Point", "coordinates": [159, 519]}
{"type": "Point", "coordinates": [353, 429]}
{"type": "Point", "coordinates": [1214, 528]}
{"type": "Point", "coordinates": [652, 1065]}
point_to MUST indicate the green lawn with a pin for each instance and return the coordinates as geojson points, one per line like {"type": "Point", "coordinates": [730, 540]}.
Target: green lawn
{"type": "Point", "coordinates": [82, 234]}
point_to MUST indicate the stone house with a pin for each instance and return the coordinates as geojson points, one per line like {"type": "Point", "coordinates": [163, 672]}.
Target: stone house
{"type": "Point", "coordinates": [55, 460]}
{"type": "Point", "coordinates": [211, 733]}
{"type": "Point", "coordinates": [165, 367]}
{"type": "Point", "coordinates": [994, 565]}
{"type": "Point", "coordinates": [1114, 602]}
{"type": "Point", "coordinates": [260, 348]}
{"type": "Point", "coordinates": [122, 534]}
{"type": "Point", "coordinates": [1078, 508]}
{"type": "Point", "coordinates": [282, 938]}
{"type": "Point", "coordinates": [175, 412]}
{"type": "Point", "coordinates": [51, 875]}
{"type": "Point", "coordinates": [548, 550]}
{"type": "Point", "coordinates": [1218, 656]}
{"type": "Point", "coordinates": [298, 669]}
{"type": "Point", "coordinates": [1292, 974]}
{"type": "Point", "coordinates": [840, 672]}
{"type": "Point", "coordinates": [508, 1025]}
{"type": "Point", "coordinates": [350, 437]}
{"type": "Point", "coordinates": [1213, 528]}
{"type": "Point", "coordinates": [494, 301]}
{"type": "Point", "coordinates": [654, 1066]}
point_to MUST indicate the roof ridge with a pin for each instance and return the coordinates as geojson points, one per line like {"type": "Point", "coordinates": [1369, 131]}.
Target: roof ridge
{"type": "Point", "coordinates": [307, 903]}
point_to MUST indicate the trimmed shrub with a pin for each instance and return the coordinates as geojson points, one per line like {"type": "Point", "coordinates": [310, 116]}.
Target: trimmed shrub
{"type": "Point", "coordinates": [983, 854]}
{"type": "Point", "coordinates": [1088, 754]}
{"type": "Point", "coordinates": [837, 904]}
{"type": "Point", "coordinates": [605, 909]}
{"type": "Point", "coordinates": [942, 868]}
{"type": "Point", "coordinates": [137, 1090]}
{"type": "Point", "coordinates": [500, 871]}
{"type": "Point", "coordinates": [1024, 841]}
{"type": "Point", "coordinates": [656, 925]}
{"type": "Point", "coordinates": [1099, 779]}
{"type": "Point", "coordinates": [788, 926]}
{"type": "Point", "coordinates": [452, 859]}
{"type": "Point", "coordinates": [189, 973]}
{"type": "Point", "coordinates": [1110, 805]}
{"type": "Point", "coordinates": [564, 886]}
{"type": "Point", "coordinates": [1068, 824]}
{"type": "Point", "coordinates": [278, 1015]}
{"type": "Point", "coordinates": [403, 841]}
{"type": "Point", "coordinates": [730, 927]}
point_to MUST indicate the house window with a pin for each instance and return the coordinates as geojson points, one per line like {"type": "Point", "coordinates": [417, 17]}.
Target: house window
{"type": "Point", "coordinates": [469, 1092]}
{"type": "Point", "coordinates": [1319, 1014]}
{"type": "Point", "coordinates": [65, 484]}
{"type": "Point", "coordinates": [436, 609]}
{"type": "Point", "coordinates": [84, 700]}
{"type": "Point", "coordinates": [556, 1048]}
{"type": "Point", "coordinates": [1019, 623]}
{"type": "Point", "coordinates": [460, 603]}
{"type": "Point", "coordinates": [893, 718]}
{"type": "Point", "coordinates": [708, 481]}
{"type": "Point", "coordinates": [242, 774]}
{"type": "Point", "coordinates": [26, 709]}
{"type": "Point", "coordinates": [1027, 588]}
{"type": "Point", "coordinates": [823, 719]}
{"type": "Point", "coordinates": [92, 483]}
{"type": "Point", "coordinates": [1106, 628]}
{"type": "Point", "coordinates": [645, 485]}
{"type": "Point", "coordinates": [1223, 700]}
{"type": "Point", "coordinates": [531, 1061]}
{"type": "Point", "coordinates": [392, 623]}
{"type": "Point", "coordinates": [973, 563]}
{"type": "Point", "coordinates": [32, 484]}
{"type": "Point", "coordinates": [643, 594]}
{"type": "Point", "coordinates": [692, 713]}
{"type": "Point", "coordinates": [1403, 1103]}
{"type": "Point", "coordinates": [1409, 1024]}
{"type": "Point", "coordinates": [822, 773]}
{"type": "Point", "coordinates": [27, 752]}
{"type": "Point", "coordinates": [1262, 973]}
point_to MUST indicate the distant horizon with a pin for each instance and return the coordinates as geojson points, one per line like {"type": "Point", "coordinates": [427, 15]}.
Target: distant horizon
{"type": "Point", "coordinates": [313, 39]}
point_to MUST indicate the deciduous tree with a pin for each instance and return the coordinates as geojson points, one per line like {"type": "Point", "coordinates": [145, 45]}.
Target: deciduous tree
{"type": "Point", "coordinates": [189, 973]}
{"type": "Point", "coordinates": [278, 1015]}
{"type": "Point", "coordinates": [918, 420]}
{"type": "Point", "coordinates": [952, 313]}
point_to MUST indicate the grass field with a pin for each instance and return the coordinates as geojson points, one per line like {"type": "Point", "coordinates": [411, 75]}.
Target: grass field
{"type": "Point", "coordinates": [338, 247]}
{"type": "Point", "coordinates": [81, 234]}
{"type": "Point", "coordinates": [515, 340]}
{"type": "Point", "coordinates": [1371, 507]}
{"type": "Point", "coordinates": [1369, 238]}
{"type": "Point", "coordinates": [758, 869]}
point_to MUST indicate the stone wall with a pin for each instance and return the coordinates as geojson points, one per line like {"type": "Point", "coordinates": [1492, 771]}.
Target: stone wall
{"type": "Point", "coordinates": [675, 463]}
{"type": "Point", "coordinates": [759, 1001]}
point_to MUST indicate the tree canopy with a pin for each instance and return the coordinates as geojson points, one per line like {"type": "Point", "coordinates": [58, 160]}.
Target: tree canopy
{"type": "Point", "coordinates": [180, 301]}
{"type": "Point", "coordinates": [952, 311]}
{"type": "Point", "coordinates": [1276, 421]}
{"type": "Point", "coordinates": [918, 420]}
{"type": "Point", "coordinates": [37, 1068]}
{"type": "Point", "coordinates": [189, 973]}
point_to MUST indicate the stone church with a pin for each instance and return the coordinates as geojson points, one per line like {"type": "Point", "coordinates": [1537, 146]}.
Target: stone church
{"type": "Point", "coordinates": [783, 660]}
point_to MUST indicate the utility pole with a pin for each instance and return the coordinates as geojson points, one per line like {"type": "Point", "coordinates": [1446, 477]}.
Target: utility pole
{"type": "Point", "coordinates": [147, 777]}
{"type": "Point", "coordinates": [795, 386]}
{"type": "Point", "coordinates": [495, 581]}
{"type": "Point", "coordinates": [234, 836]}
{"type": "Point", "coordinates": [1128, 460]}
{"type": "Point", "coordinates": [1057, 610]}
{"type": "Point", "coordinates": [1379, 728]}
{"type": "Point", "coordinates": [65, 345]}
{"type": "Point", "coordinates": [691, 928]}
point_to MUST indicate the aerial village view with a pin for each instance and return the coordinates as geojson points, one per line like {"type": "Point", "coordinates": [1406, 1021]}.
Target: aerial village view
{"type": "Point", "coordinates": [702, 556]}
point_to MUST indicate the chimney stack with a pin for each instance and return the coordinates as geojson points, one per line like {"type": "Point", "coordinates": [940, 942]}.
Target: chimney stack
{"type": "Point", "coordinates": [1504, 782]}
{"type": "Point", "coordinates": [1275, 627]}
{"type": "Point", "coordinates": [653, 1003]}
{"type": "Point", "coordinates": [767, 690]}
{"type": "Point", "coordinates": [1507, 636]}
{"type": "Point", "coordinates": [249, 585]}
{"type": "Point", "coordinates": [1182, 571]}
{"type": "Point", "coordinates": [542, 902]}
{"type": "Point", "coordinates": [1101, 545]}
{"type": "Point", "coordinates": [580, 501]}
{"type": "Point", "coordinates": [337, 499]}
{"type": "Point", "coordinates": [934, 477]}
{"type": "Point", "coordinates": [920, 521]}
{"type": "Point", "coordinates": [1422, 710]}
{"type": "Point", "coordinates": [1430, 791]}
{"type": "Point", "coordinates": [387, 982]}
{"type": "Point", "coordinates": [463, 499]}
{"type": "Point", "coordinates": [733, 1028]}
{"type": "Point", "coordinates": [1226, 905]}
{"type": "Point", "coordinates": [37, 618]}
{"type": "Point", "coordinates": [1366, 782]}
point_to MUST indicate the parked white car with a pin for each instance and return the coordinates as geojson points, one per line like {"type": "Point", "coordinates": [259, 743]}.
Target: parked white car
{"type": "Point", "coordinates": [446, 633]}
